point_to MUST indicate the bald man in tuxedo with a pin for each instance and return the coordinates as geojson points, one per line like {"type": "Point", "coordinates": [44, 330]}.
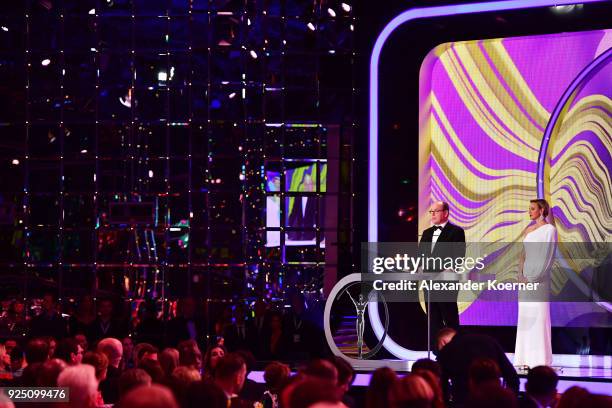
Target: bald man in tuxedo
{"type": "Point", "coordinates": [442, 314]}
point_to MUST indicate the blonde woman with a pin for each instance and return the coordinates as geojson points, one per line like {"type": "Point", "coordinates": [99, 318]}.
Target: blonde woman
{"type": "Point", "coordinates": [533, 338]}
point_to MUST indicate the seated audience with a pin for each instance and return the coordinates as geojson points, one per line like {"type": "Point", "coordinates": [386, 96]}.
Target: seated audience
{"type": "Point", "coordinates": [380, 387]}
{"type": "Point", "coordinates": [491, 395]}
{"type": "Point", "coordinates": [49, 371]}
{"type": "Point", "coordinates": [346, 375]}
{"type": "Point", "coordinates": [574, 397]}
{"type": "Point", "coordinates": [181, 379]}
{"type": "Point", "coordinates": [230, 374]}
{"type": "Point", "coordinates": [252, 390]}
{"type": "Point", "coordinates": [205, 394]}
{"type": "Point", "coordinates": [429, 365]}
{"type": "Point", "coordinates": [70, 351]}
{"type": "Point", "coordinates": [169, 360]}
{"type": "Point", "coordinates": [155, 396]}
{"type": "Point", "coordinates": [540, 389]}
{"type": "Point", "coordinates": [133, 378]}
{"type": "Point", "coordinates": [17, 362]}
{"type": "Point", "coordinates": [434, 383]}
{"type": "Point", "coordinates": [37, 351]}
{"type": "Point", "coordinates": [483, 371]}
{"type": "Point", "coordinates": [144, 351]}
{"type": "Point", "coordinates": [411, 391]}
{"type": "Point", "coordinates": [153, 368]}
{"type": "Point", "coordinates": [308, 392]}
{"type": "Point", "coordinates": [457, 351]}
{"type": "Point", "coordinates": [5, 402]}
{"type": "Point", "coordinates": [113, 350]}
{"type": "Point", "coordinates": [276, 375]}
{"type": "Point", "coordinates": [128, 353]}
{"type": "Point", "coordinates": [321, 370]}
{"type": "Point", "coordinates": [82, 384]}
{"type": "Point", "coordinates": [99, 362]}
{"type": "Point", "coordinates": [81, 339]}
{"type": "Point", "coordinates": [211, 358]}
{"type": "Point", "coordinates": [190, 354]}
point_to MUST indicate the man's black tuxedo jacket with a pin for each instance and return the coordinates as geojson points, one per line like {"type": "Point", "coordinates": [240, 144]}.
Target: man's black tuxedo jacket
{"type": "Point", "coordinates": [450, 233]}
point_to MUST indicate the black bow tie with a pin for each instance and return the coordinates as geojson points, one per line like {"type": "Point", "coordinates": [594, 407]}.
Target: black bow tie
{"type": "Point", "coordinates": [437, 227]}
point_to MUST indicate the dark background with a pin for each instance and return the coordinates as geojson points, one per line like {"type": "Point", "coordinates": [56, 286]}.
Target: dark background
{"type": "Point", "coordinates": [177, 204]}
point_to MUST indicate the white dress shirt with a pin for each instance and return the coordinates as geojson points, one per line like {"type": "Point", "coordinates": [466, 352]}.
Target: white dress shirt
{"type": "Point", "coordinates": [436, 235]}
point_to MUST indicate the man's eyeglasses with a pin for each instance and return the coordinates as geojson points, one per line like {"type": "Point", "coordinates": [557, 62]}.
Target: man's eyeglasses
{"type": "Point", "coordinates": [434, 211]}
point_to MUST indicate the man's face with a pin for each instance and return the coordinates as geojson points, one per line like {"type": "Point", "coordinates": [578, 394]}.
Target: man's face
{"type": "Point", "coordinates": [438, 215]}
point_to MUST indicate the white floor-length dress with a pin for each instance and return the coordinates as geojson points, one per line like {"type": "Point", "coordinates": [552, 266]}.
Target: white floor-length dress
{"type": "Point", "coordinates": [533, 338]}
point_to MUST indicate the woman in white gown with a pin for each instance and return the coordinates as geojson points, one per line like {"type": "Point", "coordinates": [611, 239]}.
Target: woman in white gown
{"type": "Point", "coordinates": [533, 338]}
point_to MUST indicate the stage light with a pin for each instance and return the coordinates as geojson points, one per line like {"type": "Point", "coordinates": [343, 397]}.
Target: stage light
{"type": "Point", "coordinates": [232, 95]}
{"type": "Point", "coordinates": [15, 162]}
{"type": "Point", "coordinates": [253, 54]}
{"type": "Point", "coordinates": [311, 26]}
{"type": "Point", "coordinates": [92, 12]}
{"type": "Point", "coordinates": [346, 7]}
{"type": "Point", "coordinates": [45, 62]}
{"type": "Point", "coordinates": [352, 27]}
{"type": "Point", "coordinates": [566, 9]}
{"type": "Point", "coordinates": [162, 76]}
{"type": "Point", "coordinates": [4, 28]}
{"type": "Point", "coordinates": [331, 12]}
{"type": "Point", "coordinates": [127, 99]}
{"type": "Point", "coordinates": [84, 151]}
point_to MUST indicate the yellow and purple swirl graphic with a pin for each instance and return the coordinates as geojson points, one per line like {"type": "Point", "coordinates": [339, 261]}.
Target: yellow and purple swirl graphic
{"type": "Point", "coordinates": [485, 107]}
